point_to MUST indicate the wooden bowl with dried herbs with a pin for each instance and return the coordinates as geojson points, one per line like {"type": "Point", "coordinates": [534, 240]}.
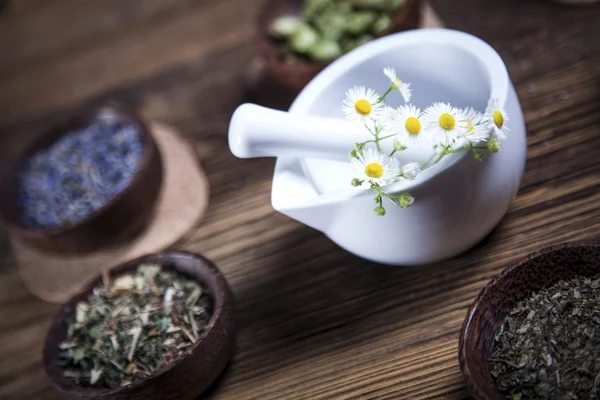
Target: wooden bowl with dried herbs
{"type": "Point", "coordinates": [158, 327]}
{"type": "Point", "coordinates": [534, 331]}
{"type": "Point", "coordinates": [92, 182]}
{"type": "Point", "coordinates": [298, 38]}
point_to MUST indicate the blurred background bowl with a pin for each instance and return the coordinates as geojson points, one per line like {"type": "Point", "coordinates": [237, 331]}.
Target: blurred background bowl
{"type": "Point", "coordinates": [119, 219]}
{"type": "Point", "coordinates": [296, 76]}
{"type": "Point", "coordinates": [197, 368]}
{"type": "Point", "coordinates": [535, 272]}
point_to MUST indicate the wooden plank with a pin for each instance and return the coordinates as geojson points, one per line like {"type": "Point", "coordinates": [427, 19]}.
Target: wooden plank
{"type": "Point", "coordinates": [314, 321]}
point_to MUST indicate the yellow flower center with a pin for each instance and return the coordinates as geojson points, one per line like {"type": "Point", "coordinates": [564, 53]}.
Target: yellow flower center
{"type": "Point", "coordinates": [374, 170]}
{"type": "Point", "coordinates": [397, 81]}
{"type": "Point", "coordinates": [498, 119]}
{"type": "Point", "coordinates": [363, 107]}
{"type": "Point", "coordinates": [470, 128]}
{"type": "Point", "coordinates": [413, 125]}
{"type": "Point", "coordinates": [447, 121]}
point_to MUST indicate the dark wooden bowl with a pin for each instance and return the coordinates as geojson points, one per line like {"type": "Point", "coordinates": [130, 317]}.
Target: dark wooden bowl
{"type": "Point", "coordinates": [196, 369]}
{"type": "Point", "coordinates": [118, 220]}
{"type": "Point", "coordinates": [487, 313]}
{"type": "Point", "coordinates": [296, 76]}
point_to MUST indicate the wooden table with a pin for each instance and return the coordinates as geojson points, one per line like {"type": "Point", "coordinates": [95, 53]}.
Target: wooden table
{"type": "Point", "coordinates": [314, 321]}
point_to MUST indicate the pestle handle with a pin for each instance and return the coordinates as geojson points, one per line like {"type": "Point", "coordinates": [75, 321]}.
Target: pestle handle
{"type": "Point", "coordinates": [256, 131]}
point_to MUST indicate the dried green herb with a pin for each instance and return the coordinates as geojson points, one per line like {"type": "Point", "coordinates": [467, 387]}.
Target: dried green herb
{"type": "Point", "coordinates": [326, 29]}
{"type": "Point", "coordinates": [549, 345]}
{"type": "Point", "coordinates": [132, 326]}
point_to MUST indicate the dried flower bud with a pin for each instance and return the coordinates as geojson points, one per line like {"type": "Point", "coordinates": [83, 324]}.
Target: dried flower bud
{"type": "Point", "coordinates": [360, 22]}
{"type": "Point", "coordinates": [331, 24]}
{"type": "Point", "coordinates": [303, 38]}
{"type": "Point", "coordinates": [284, 26]}
{"type": "Point", "coordinates": [383, 23]}
{"type": "Point", "coordinates": [370, 4]}
{"type": "Point", "coordinates": [314, 7]}
{"type": "Point", "coordinates": [325, 50]}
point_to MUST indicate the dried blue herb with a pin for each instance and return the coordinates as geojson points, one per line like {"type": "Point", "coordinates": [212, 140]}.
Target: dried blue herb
{"type": "Point", "coordinates": [79, 173]}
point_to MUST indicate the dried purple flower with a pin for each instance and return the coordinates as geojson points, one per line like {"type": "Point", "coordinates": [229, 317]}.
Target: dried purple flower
{"type": "Point", "coordinates": [80, 173]}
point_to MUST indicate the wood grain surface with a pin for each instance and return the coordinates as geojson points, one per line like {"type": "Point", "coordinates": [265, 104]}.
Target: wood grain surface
{"type": "Point", "coordinates": [314, 321]}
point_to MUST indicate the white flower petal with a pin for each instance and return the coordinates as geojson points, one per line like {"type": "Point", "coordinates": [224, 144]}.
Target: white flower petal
{"type": "Point", "coordinates": [397, 126]}
{"type": "Point", "coordinates": [370, 156]}
{"type": "Point", "coordinates": [500, 132]}
{"type": "Point", "coordinates": [477, 131]}
{"type": "Point", "coordinates": [411, 170]}
{"type": "Point", "coordinates": [356, 94]}
{"type": "Point", "coordinates": [439, 134]}
{"type": "Point", "coordinates": [397, 84]}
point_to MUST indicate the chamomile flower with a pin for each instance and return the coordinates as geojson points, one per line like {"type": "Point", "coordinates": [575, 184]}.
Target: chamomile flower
{"type": "Point", "coordinates": [444, 123]}
{"type": "Point", "coordinates": [496, 119]}
{"type": "Point", "coordinates": [405, 122]}
{"type": "Point", "coordinates": [376, 167]}
{"type": "Point", "coordinates": [477, 130]}
{"type": "Point", "coordinates": [397, 84]}
{"type": "Point", "coordinates": [362, 104]}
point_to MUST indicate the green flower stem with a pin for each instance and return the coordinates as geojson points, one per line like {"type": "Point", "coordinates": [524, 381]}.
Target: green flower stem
{"type": "Point", "coordinates": [381, 194]}
{"type": "Point", "coordinates": [382, 98]}
{"type": "Point", "coordinates": [442, 155]}
{"type": "Point", "coordinates": [447, 151]}
{"type": "Point", "coordinates": [426, 163]}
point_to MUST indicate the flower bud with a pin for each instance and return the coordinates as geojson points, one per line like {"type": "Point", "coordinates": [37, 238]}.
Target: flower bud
{"type": "Point", "coordinates": [478, 156]}
{"type": "Point", "coordinates": [325, 50]}
{"type": "Point", "coordinates": [411, 170]}
{"type": "Point", "coordinates": [354, 154]}
{"type": "Point", "coordinates": [398, 146]}
{"type": "Point", "coordinates": [406, 200]}
{"type": "Point", "coordinates": [493, 145]}
{"type": "Point", "coordinates": [356, 182]}
{"type": "Point", "coordinates": [379, 211]}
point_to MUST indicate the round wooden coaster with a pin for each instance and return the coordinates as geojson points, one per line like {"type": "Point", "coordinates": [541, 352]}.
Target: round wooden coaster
{"type": "Point", "coordinates": [181, 204]}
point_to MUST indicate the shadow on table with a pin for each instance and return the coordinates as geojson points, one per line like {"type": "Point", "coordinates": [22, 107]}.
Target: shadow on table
{"type": "Point", "coordinates": [318, 298]}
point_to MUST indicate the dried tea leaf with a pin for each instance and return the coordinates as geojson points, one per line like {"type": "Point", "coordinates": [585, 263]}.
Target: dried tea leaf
{"type": "Point", "coordinates": [549, 345]}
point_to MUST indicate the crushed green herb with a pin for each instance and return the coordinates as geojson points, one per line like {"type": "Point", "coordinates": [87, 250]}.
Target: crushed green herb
{"type": "Point", "coordinates": [549, 345]}
{"type": "Point", "coordinates": [133, 325]}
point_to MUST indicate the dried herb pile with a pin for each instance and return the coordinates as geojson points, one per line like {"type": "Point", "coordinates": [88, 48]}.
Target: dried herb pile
{"type": "Point", "coordinates": [133, 325]}
{"type": "Point", "coordinates": [549, 346]}
{"type": "Point", "coordinates": [326, 29]}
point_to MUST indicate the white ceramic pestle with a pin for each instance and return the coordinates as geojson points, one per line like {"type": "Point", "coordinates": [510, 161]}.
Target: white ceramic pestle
{"type": "Point", "coordinates": [256, 131]}
{"type": "Point", "coordinates": [457, 202]}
